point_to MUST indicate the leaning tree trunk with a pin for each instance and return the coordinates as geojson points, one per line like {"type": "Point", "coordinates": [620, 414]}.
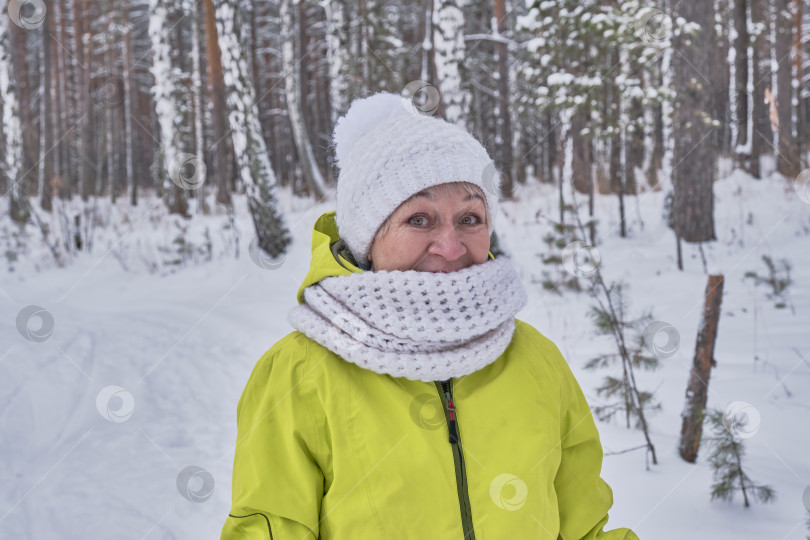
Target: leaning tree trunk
{"type": "Point", "coordinates": [695, 150]}
{"type": "Point", "coordinates": [698, 388]}
{"type": "Point", "coordinates": [249, 146]}
{"type": "Point", "coordinates": [448, 56]}
{"type": "Point", "coordinates": [292, 87]}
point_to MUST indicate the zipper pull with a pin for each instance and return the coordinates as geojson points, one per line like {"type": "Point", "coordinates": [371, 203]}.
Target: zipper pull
{"type": "Point", "coordinates": [451, 408]}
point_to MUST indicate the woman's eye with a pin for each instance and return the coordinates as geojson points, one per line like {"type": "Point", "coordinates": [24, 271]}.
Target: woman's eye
{"type": "Point", "coordinates": [471, 219]}
{"type": "Point", "coordinates": [418, 221]}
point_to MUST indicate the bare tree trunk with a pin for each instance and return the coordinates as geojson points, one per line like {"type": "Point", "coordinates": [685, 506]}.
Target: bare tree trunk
{"type": "Point", "coordinates": [698, 387]}
{"type": "Point", "coordinates": [196, 80]}
{"type": "Point", "coordinates": [448, 53]}
{"type": "Point", "coordinates": [216, 86]}
{"type": "Point", "coordinates": [741, 41]}
{"type": "Point", "coordinates": [788, 158]}
{"type": "Point", "coordinates": [761, 61]}
{"type": "Point", "coordinates": [292, 85]}
{"type": "Point", "coordinates": [503, 138]}
{"type": "Point", "coordinates": [46, 151]}
{"type": "Point", "coordinates": [695, 151]}
{"type": "Point", "coordinates": [337, 53]}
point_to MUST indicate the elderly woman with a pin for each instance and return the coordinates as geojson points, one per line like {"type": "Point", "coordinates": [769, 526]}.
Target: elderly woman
{"type": "Point", "coordinates": [410, 403]}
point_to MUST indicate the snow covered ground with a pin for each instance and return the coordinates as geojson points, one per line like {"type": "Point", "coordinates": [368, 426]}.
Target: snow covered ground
{"type": "Point", "coordinates": [101, 418]}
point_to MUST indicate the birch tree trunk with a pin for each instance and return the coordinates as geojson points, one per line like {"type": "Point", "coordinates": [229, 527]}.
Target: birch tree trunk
{"type": "Point", "coordinates": [448, 55]}
{"type": "Point", "coordinates": [12, 128]}
{"type": "Point", "coordinates": [292, 90]}
{"type": "Point", "coordinates": [253, 162]}
{"type": "Point", "coordinates": [337, 54]}
{"type": "Point", "coordinates": [167, 110]}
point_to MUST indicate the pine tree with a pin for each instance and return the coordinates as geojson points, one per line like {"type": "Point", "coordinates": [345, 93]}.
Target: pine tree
{"type": "Point", "coordinates": [612, 320]}
{"type": "Point", "coordinates": [726, 454]}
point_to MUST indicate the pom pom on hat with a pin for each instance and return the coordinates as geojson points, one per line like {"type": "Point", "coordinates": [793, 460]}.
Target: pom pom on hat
{"type": "Point", "coordinates": [366, 114]}
{"type": "Point", "coordinates": [388, 151]}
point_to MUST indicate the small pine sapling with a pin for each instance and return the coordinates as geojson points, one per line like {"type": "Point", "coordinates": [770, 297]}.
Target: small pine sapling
{"type": "Point", "coordinates": [629, 399]}
{"type": "Point", "coordinates": [778, 279]}
{"type": "Point", "coordinates": [562, 235]}
{"type": "Point", "coordinates": [726, 454]}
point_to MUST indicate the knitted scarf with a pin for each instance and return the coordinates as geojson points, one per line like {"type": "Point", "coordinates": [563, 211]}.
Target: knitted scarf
{"type": "Point", "coordinates": [418, 325]}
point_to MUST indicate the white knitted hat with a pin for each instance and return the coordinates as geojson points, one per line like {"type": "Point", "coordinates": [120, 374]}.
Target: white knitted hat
{"type": "Point", "coordinates": [387, 151]}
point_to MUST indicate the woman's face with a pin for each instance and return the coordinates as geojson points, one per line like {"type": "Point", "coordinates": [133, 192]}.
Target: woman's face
{"type": "Point", "coordinates": [436, 230]}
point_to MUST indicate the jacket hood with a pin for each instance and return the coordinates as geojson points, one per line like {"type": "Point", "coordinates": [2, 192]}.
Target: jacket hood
{"type": "Point", "coordinates": [330, 256]}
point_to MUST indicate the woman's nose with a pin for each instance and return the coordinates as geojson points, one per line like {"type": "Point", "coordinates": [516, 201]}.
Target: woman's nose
{"type": "Point", "coordinates": [448, 244]}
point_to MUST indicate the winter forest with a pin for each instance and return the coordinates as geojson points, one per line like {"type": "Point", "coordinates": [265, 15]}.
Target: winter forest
{"type": "Point", "coordinates": [162, 163]}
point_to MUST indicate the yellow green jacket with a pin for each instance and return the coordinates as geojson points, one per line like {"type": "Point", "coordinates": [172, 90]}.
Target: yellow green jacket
{"type": "Point", "coordinates": [327, 449]}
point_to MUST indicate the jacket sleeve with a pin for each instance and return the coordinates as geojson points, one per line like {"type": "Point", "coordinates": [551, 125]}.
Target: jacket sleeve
{"type": "Point", "coordinates": [582, 496]}
{"type": "Point", "coordinates": [277, 482]}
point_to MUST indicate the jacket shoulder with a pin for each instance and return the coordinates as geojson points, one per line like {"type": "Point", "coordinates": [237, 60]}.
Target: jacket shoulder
{"type": "Point", "coordinates": [543, 356]}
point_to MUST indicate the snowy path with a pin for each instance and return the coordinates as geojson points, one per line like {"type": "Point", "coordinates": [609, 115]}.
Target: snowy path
{"type": "Point", "coordinates": [182, 346]}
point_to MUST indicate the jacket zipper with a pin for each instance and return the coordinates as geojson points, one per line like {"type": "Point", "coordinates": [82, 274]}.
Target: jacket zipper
{"type": "Point", "coordinates": [446, 395]}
